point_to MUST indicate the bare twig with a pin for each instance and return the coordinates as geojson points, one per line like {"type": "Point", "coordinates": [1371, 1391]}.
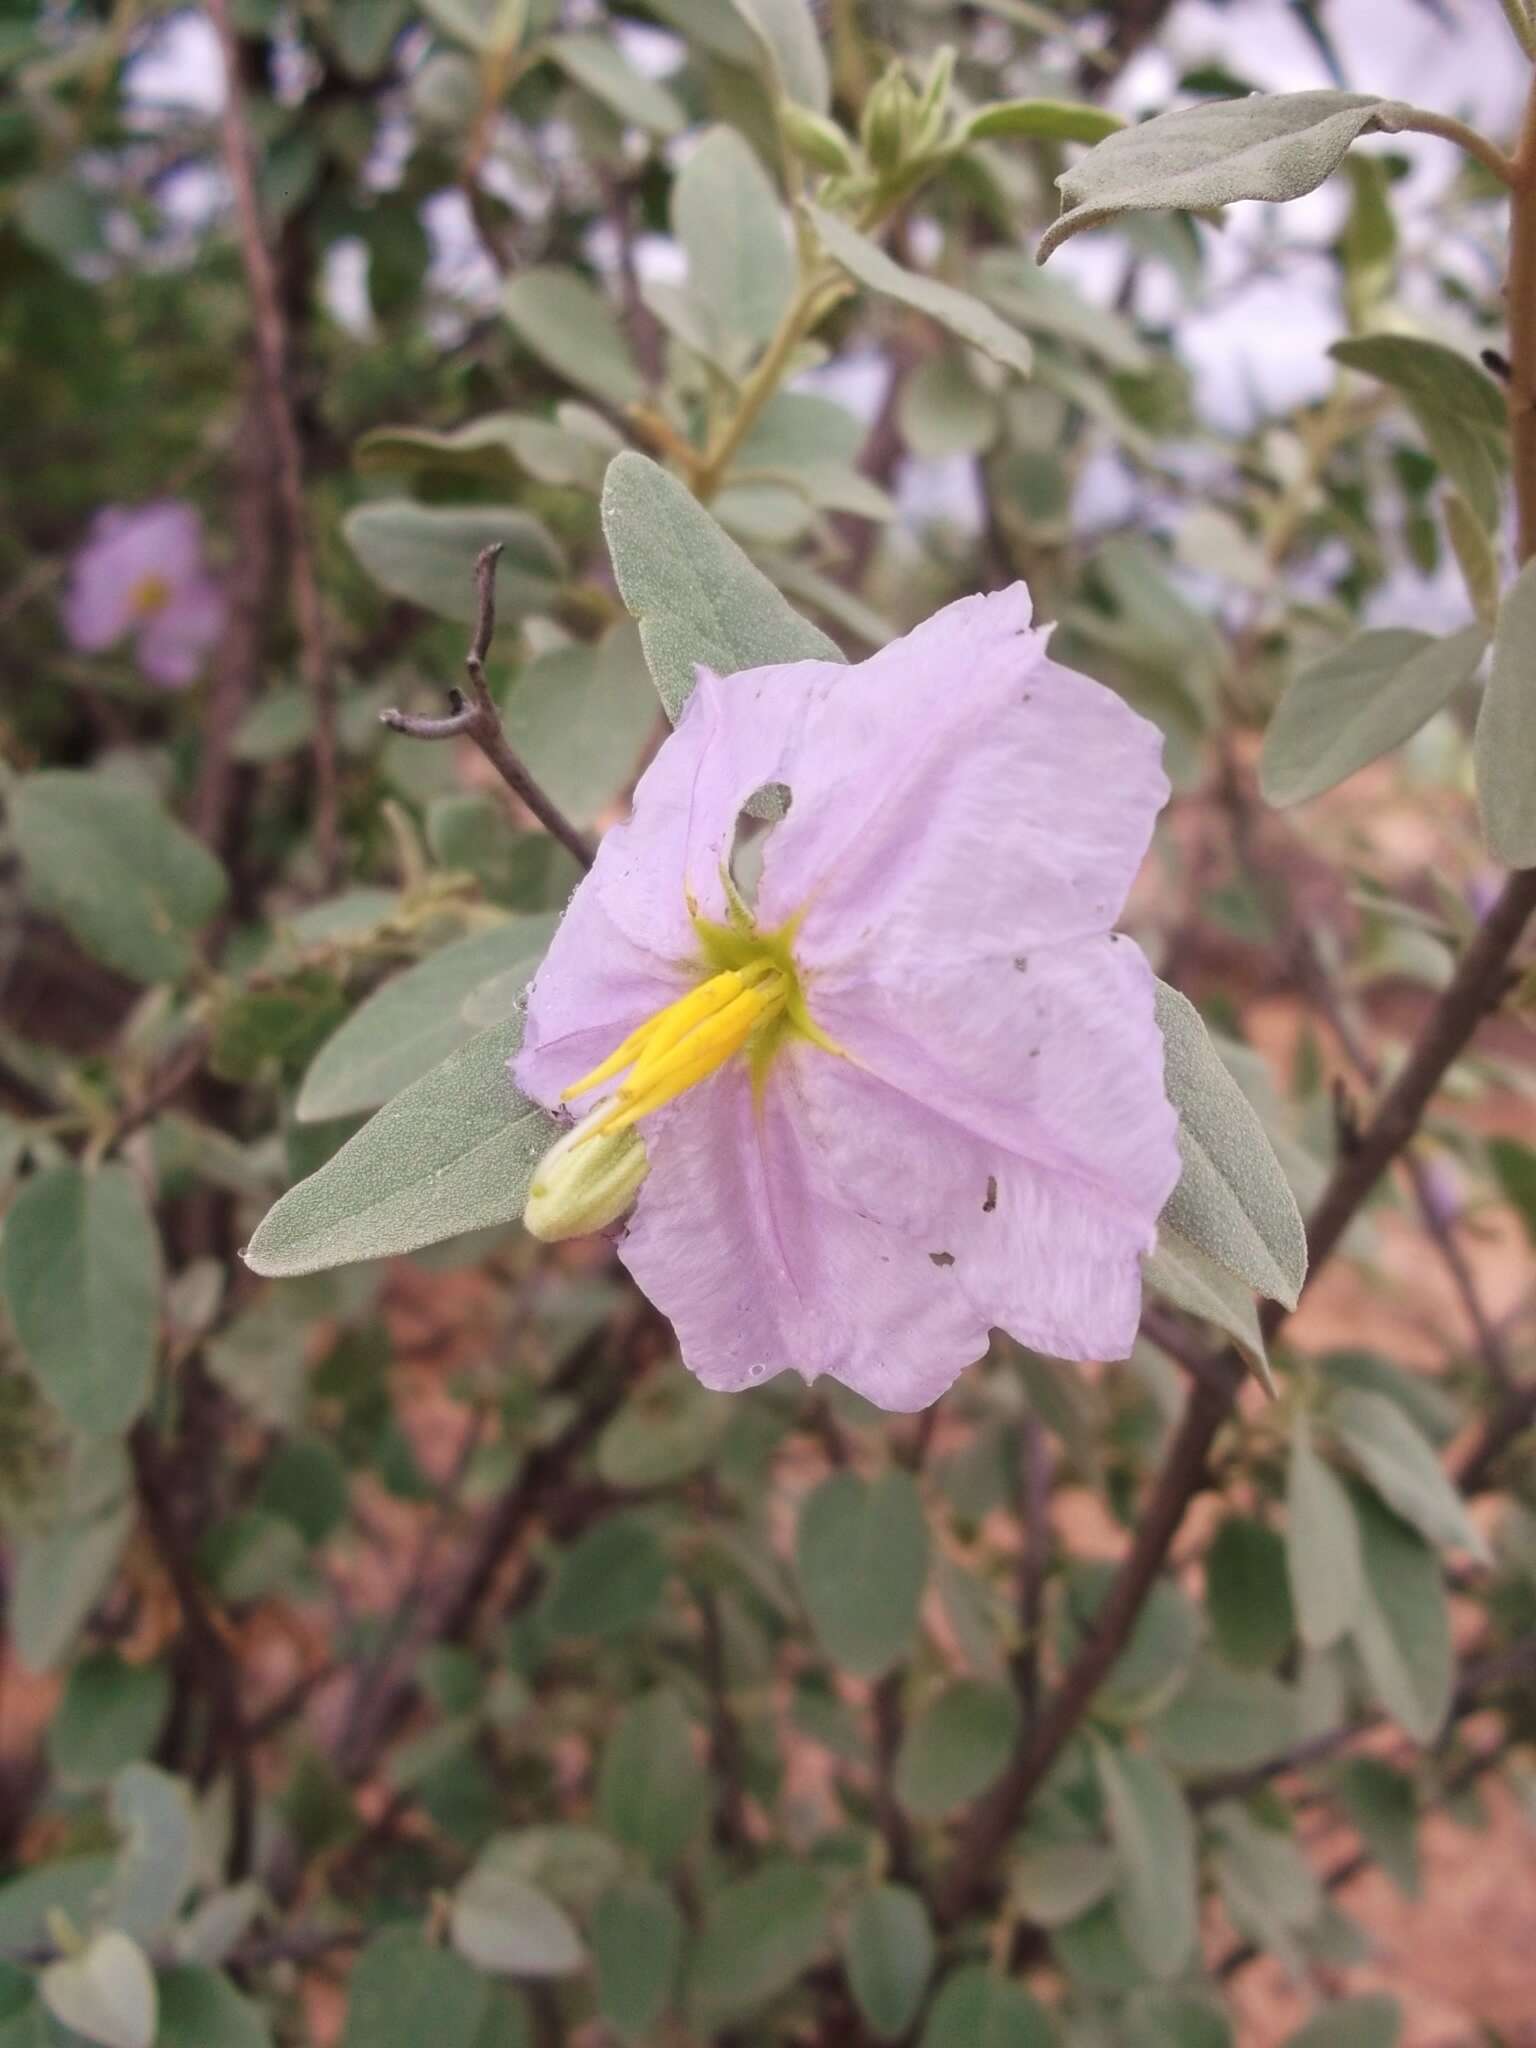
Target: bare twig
{"type": "Point", "coordinates": [1032, 1486]}
{"type": "Point", "coordinates": [476, 718]}
{"type": "Point", "coordinates": [272, 349]}
{"type": "Point", "coordinates": [727, 1763]}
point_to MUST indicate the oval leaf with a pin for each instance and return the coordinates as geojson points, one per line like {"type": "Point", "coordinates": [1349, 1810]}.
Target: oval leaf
{"type": "Point", "coordinates": [888, 1952]}
{"type": "Point", "coordinates": [1401, 1465]}
{"type": "Point", "coordinates": [426, 553]}
{"type": "Point", "coordinates": [1154, 1840]}
{"type": "Point", "coordinates": [969, 318]}
{"type": "Point", "coordinates": [861, 1550]}
{"type": "Point", "coordinates": [454, 1152]}
{"type": "Point", "coordinates": [1322, 1545]}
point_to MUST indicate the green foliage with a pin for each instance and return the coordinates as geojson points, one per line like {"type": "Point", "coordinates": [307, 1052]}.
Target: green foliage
{"type": "Point", "coordinates": [861, 1551]}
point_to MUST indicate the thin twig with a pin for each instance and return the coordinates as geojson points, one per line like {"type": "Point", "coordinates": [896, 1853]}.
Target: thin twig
{"type": "Point", "coordinates": [727, 1759]}
{"type": "Point", "coordinates": [476, 718]}
{"type": "Point", "coordinates": [272, 349]}
{"type": "Point", "coordinates": [1032, 1486]}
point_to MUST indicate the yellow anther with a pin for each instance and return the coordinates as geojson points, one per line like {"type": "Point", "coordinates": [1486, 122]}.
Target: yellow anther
{"type": "Point", "coordinates": [657, 1035]}
{"type": "Point", "coordinates": [149, 595]}
{"type": "Point", "coordinates": [694, 1056]}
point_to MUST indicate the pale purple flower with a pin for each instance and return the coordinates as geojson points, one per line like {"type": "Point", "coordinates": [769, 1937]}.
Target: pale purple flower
{"type": "Point", "coordinates": [932, 1101]}
{"type": "Point", "coordinates": [142, 572]}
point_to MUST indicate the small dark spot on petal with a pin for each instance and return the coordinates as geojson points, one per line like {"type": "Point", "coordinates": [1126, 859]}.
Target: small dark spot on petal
{"type": "Point", "coordinates": [1021, 962]}
{"type": "Point", "coordinates": [1034, 1052]}
{"type": "Point", "coordinates": [942, 1258]}
{"type": "Point", "coordinates": [991, 1201]}
{"type": "Point", "coordinates": [1114, 938]}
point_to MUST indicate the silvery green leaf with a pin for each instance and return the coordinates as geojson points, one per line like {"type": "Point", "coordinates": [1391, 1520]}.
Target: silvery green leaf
{"type": "Point", "coordinates": [721, 31]}
{"type": "Point", "coordinates": [1505, 746]}
{"type": "Point", "coordinates": [80, 1266]}
{"type": "Point", "coordinates": [728, 217]}
{"type": "Point", "coordinates": [1201, 1288]}
{"type": "Point", "coordinates": [500, 1922]}
{"type": "Point", "coordinates": [58, 1578]}
{"type": "Point", "coordinates": [1477, 556]}
{"type": "Point", "coordinates": [1459, 410]}
{"type": "Point", "coordinates": [1050, 306]}
{"type": "Point", "coordinates": [696, 596]}
{"type": "Point", "coordinates": [790, 46]}
{"type": "Point", "coordinates": [480, 24]}
{"type": "Point", "coordinates": [1039, 121]}
{"type": "Point", "coordinates": [454, 1152]}
{"type": "Point", "coordinates": [579, 717]}
{"type": "Point", "coordinates": [415, 1020]}
{"type": "Point", "coordinates": [500, 446]}
{"type": "Point", "coordinates": [156, 1863]}
{"type": "Point", "coordinates": [1270, 146]}
{"type": "Point", "coordinates": [572, 329]}
{"type": "Point", "coordinates": [132, 885]}
{"type": "Point", "coordinates": [944, 411]}
{"type": "Point", "coordinates": [1054, 1882]}
{"type": "Point", "coordinates": [426, 553]}
{"type": "Point", "coordinates": [1347, 710]}
{"type": "Point", "coordinates": [796, 429]}
{"type": "Point", "coordinates": [1322, 1544]}
{"type": "Point", "coordinates": [861, 1553]}
{"type": "Point", "coordinates": [106, 1992]}
{"type": "Point", "coordinates": [1400, 1463]}
{"type": "Point", "coordinates": [1232, 1202]}
{"type": "Point", "coordinates": [969, 318]}
{"type": "Point", "coordinates": [598, 65]}
{"type": "Point", "coordinates": [1154, 1840]}
{"type": "Point", "coordinates": [888, 1950]}
{"type": "Point", "coordinates": [763, 511]}
{"type": "Point", "coordinates": [1403, 1628]}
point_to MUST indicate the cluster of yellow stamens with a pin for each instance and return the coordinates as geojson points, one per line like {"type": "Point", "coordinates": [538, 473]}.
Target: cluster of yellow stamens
{"type": "Point", "coordinates": [151, 594]}
{"type": "Point", "coordinates": [685, 1042]}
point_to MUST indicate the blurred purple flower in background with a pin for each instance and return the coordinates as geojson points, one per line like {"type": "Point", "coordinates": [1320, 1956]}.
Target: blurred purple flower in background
{"type": "Point", "coordinates": [142, 572]}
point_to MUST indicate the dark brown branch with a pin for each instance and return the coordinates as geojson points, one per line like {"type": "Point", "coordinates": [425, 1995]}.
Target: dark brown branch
{"type": "Point", "coordinates": [210, 1657]}
{"type": "Point", "coordinates": [727, 1760]}
{"type": "Point", "coordinates": [273, 355]}
{"type": "Point", "coordinates": [476, 718]}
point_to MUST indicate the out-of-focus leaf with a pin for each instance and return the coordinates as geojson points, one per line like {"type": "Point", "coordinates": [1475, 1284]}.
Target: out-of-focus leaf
{"type": "Point", "coordinates": [415, 1020]}
{"type": "Point", "coordinates": [1477, 557]}
{"type": "Point", "coordinates": [502, 1923]}
{"type": "Point", "coordinates": [1373, 2021]}
{"type": "Point", "coordinates": [131, 884]}
{"type": "Point", "coordinates": [971, 319]}
{"type": "Point", "coordinates": [1048, 305]}
{"type": "Point", "coordinates": [572, 329]}
{"type": "Point", "coordinates": [80, 1264]}
{"type": "Point", "coordinates": [105, 1993]}
{"type": "Point", "coordinates": [956, 1746]}
{"type": "Point", "coordinates": [579, 716]}
{"type": "Point", "coordinates": [201, 2009]}
{"type": "Point", "coordinates": [1270, 146]}
{"type": "Point", "coordinates": [598, 65]}
{"type": "Point", "coordinates": [1232, 1202]}
{"type": "Point", "coordinates": [1163, 2017]}
{"type": "Point", "coordinates": [427, 553]}
{"type": "Point", "coordinates": [1155, 1844]}
{"type": "Point", "coordinates": [454, 1152]}
{"type": "Point", "coordinates": [759, 1933]}
{"type": "Point", "coordinates": [110, 1715]}
{"type": "Point", "coordinates": [861, 1551]}
{"type": "Point", "coordinates": [1054, 1882]}
{"type": "Point", "coordinates": [1040, 121]}
{"type": "Point", "coordinates": [978, 2008]}
{"type": "Point", "coordinates": [1384, 1806]}
{"type": "Point", "coordinates": [888, 1952]}
{"type": "Point", "coordinates": [790, 46]}
{"type": "Point", "coordinates": [1401, 1465]}
{"type": "Point", "coordinates": [1153, 1664]}
{"type": "Point", "coordinates": [1322, 1545]}
{"type": "Point", "coordinates": [1514, 1167]}
{"type": "Point", "coordinates": [154, 1814]}
{"type": "Point", "coordinates": [609, 1581]}
{"type": "Point", "coordinates": [1355, 705]}
{"type": "Point", "coordinates": [1201, 1288]}
{"type": "Point", "coordinates": [696, 596]}
{"type": "Point", "coordinates": [1403, 1628]}
{"type": "Point", "coordinates": [1247, 1594]}
{"type": "Point", "coordinates": [943, 410]}
{"type": "Point", "coordinates": [500, 446]}
{"type": "Point", "coordinates": [1225, 1720]}
{"type": "Point", "coordinates": [405, 1991]}
{"type": "Point", "coordinates": [1505, 743]}
{"type": "Point", "coordinates": [637, 1941]}
{"type": "Point", "coordinates": [664, 1432]}
{"type": "Point", "coordinates": [1458, 409]}
{"type": "Point", "coordinates": [651, 1792]}
{"type": "Point", "coordinates": [727, 216]}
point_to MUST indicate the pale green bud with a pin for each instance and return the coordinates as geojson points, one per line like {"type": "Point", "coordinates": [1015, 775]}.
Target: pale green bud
{"type": "Point", "coordinates": [891, 120]}
{"type": "Point", "coordinates": [817, 140]}
{"type": "Point", "coordinates": [586, 1180]}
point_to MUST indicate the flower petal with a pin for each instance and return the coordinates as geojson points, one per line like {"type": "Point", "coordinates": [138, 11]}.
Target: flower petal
{"type": "Point", "coordinates": [592, 989]}
{"type": "Point", "coordinates": [1025, 1129]}
{"type": "Point", "coordinates": [735, 735]}
{"type": "Point", "coordinates": [743, 1243]}
{"type": "Point", "coordinates": [960, 773]}
{"type": "Point", "coordinates": [173, 643]}
{"type": "Point", "coordinates": [125, 546]}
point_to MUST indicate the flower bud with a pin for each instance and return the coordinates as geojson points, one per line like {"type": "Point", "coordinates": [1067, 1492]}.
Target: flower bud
{"type": "Point", "coordinates": [817, 140]}
{"type": "Point", "coordinates": [586, 1180]}
{"type": "Point", "coordinates": [891, 120]}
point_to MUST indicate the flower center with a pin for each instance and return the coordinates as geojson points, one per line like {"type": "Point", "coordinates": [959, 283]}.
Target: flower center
{"type": "Point", "coordinates": [149, 595]}
{"type": "Point", "coordinates": [749, 1000]}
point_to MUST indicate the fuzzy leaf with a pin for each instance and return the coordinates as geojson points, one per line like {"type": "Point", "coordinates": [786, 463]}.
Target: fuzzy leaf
{"type": "Point", "coordinates": [969, 318]}
{"type": "Point", "coordinates": [1505, 746]}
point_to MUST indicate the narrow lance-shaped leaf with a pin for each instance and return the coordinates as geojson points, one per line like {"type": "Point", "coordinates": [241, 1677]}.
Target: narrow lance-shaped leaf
{"type": "Point", "coordinates": [1459, 410]}
{"type": "Point", "coordinates": [1505, 745]}
{"type": "Point", "coordinates": [1233, 1201]}
{"type": "Point", "coordinates": [1270, 146]}
{"type": "Point", "coordinates": [1040, 121]}
{"type": "Point", "coordinates": [1401, 1465]}
{"type": "Point", "coordinates": [1403, 1628]}
{"type": "Point", "coordinates": [972, 320]}
{"type": "Point", "coordinates": [1154, 1842]}
{"type": "Point", "coordinates": [1347, 710]}
{"type": "Point", "coordinates": [597, 63]}
{"type": "Point", "coordinates": [1199, 1286]}
{"type": "Point", "coordinates": [1322, 1542]}
{"type": "Point", "coordinates": [454, 1152]}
